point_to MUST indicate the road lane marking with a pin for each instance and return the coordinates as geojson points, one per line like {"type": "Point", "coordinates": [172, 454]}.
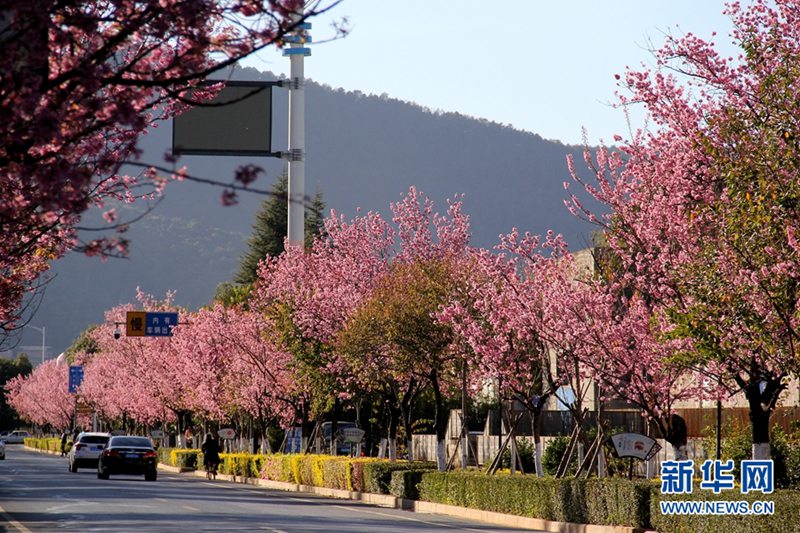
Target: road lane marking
{"type": "Point", "coordinates": [409, 518]}
{"type": "Point", "coordinates": [350, 508]}
{"type": "Point", "coordinates": [190, 508]}
{"type": "Point", "coordinates": [267, 528]}
{"type": "Point", "coordinates": [19, 527]}
{"type": "Point", "coordinates": [261, 492]}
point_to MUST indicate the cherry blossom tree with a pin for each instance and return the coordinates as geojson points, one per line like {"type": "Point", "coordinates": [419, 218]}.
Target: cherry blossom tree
{"type": "Point", "coordinates": [137, 377]}
{"type": "Point", "coordinates": [43, 397]}
{"type": "Point", "coordinates": [85, 80]}
{"type": "Point", "coordinates": [249, 372]}
{"type": "Point", "coordinates": [705, 207]}
{"type": "Point", "coordinates": [311, 296]}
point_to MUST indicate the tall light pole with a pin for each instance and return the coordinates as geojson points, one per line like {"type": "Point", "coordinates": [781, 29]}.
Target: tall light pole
{"type": "Point", "coordinates": [42, 331]}
{"type": "Point", "coordinates": [297, 52]}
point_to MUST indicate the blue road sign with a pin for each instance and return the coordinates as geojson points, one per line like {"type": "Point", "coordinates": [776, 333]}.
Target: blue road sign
{"type": "Point", "coordinates": [75, 378]}
{"type": "Point", "coordinates": [160, 324]}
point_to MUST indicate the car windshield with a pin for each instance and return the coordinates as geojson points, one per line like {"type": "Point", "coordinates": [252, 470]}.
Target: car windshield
{"type": "Point", "coordinates": [139, 442]}
{"type": "Point", "coordinates": [94, 439]}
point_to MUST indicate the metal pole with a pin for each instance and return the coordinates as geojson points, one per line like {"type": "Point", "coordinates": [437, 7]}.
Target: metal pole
{"type": "Point", "coordinates": [297, 140]}
{"type": "Point", "coordinates": [43, 344]}
{"type": "Point", "coordinates": [464, 430]}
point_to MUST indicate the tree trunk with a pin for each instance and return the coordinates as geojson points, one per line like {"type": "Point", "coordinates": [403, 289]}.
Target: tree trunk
{"type": "Point", "coordinates": [762, 390]}
{"type": "Point", "coordinates": [337, 408]}
{"type": "Point", "coordinates": [440, 422]}
{"type": "Point", "coordinates": [406, 408]}
{"type": "Point", "coordinates": [759, 420]}
{"type": "Point", "coordinates": [536, 423]}
{"type": "Point", "coordinates": [382, 448]}
{"type": "Point", "coordinates": [675, 433]}
{"type": "Point", "coordinates": [441, 455]}
{"type": "Point", "coordinates": [394, 422]}
{"type": "Point", "coordinates": [306, 426]}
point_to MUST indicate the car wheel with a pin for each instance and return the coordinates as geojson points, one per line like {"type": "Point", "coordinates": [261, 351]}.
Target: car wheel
{"type": "Point", "coordinates": [150, 476]}
{"type": "Point", "coordinates": [101, 475]}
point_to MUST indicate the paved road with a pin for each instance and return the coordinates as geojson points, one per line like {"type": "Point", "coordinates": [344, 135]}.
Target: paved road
{"type": "Point", "coordinates": [37, 493]}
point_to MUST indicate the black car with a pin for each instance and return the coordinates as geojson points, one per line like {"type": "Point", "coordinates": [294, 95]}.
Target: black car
{"type": "Point", "coordinates": [128, 455]}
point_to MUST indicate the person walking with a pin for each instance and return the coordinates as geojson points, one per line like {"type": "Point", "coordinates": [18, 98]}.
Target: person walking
{"type": "Point", "coordinates": [210, 449]}
{"type": "Point", "coordinates": [64, 437]}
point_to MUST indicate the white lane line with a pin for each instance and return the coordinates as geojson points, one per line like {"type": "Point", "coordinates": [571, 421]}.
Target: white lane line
{"type": "Point", "coordinates": [190, 508]}
{"type": "Point", "coordinates": [260, 492]}
{"type": "Point", "coordinates": [409, 518]}
{"type": "Point", "coordinates": [70, 504]}
{"type": "Point", "coordinates": [267, 528]}
{"type": "Point", "coordinates": [356, 509]}
{"type": "Point", "coordinates": [19, 527]}
{"type": "Point", "coordinates": [162, 500]}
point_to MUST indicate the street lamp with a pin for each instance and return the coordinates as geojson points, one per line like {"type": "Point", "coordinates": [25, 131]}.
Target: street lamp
{"type": "Point", "coordinates": [41, 329]}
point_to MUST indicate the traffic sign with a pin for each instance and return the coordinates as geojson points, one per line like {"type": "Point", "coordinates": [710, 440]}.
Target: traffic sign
{"type": "Point", "coordinates": [160, 324]}
{"type": "Point", "coordinates": [75, 378]}
{"type": "Point", "coordinates": [142, 324]}
{"type": "Point", "coordinates": [134, 323]}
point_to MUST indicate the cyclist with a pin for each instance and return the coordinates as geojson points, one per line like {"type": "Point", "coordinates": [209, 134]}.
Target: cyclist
{"type": "Point", "coordinates": [210, 449]}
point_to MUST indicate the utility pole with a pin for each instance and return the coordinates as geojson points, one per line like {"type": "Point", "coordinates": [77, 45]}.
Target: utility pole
{"type": "Point", "coordinates": [297, 52]}
{"type": "Point", "coordinates": [42, 331]}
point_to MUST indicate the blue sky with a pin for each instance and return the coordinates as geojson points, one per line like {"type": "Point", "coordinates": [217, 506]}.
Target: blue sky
{"type": "Point", "coordinates": [544, 67]}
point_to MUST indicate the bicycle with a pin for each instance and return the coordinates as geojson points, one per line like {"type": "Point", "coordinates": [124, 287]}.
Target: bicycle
{"type": "Point", "coordinates": [211, 471]}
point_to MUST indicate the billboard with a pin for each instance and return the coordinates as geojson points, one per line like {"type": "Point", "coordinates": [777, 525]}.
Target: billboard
{"type": "Point", "coordinates": [237, 121]}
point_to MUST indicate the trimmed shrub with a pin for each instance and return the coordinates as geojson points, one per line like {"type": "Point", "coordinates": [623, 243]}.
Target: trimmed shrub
{"type": "Point", "coordinates": [239, 464]}
{"type": "Point", "coordinates": [378, 474]}
{"type": "Point", "coordinates": [565, 500]}
{"type": "Point", "coordinates": [404, 483]}
{"type": "Point", "coordinates": [615, 501]}
{"type": "Point", "coordinates": [185, 458]}
{"type": "Point", "coordinates": [50, 444]}
{"type": "Point", "coordinates": [357, 473]}
{"type": "Point", "coordinates": [336, 473]}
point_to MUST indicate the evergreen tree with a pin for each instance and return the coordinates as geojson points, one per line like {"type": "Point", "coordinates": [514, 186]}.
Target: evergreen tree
{"type": "Point", "coordinates": [315, 219]}
{"type": "Point", "coordinates": [9, 419]}
{"type": "Point", "coordinates": [270, 226]}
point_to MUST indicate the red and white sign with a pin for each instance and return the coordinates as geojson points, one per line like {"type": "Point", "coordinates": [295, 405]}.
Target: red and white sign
{"type": "Point", "coordinates": [226, 433]}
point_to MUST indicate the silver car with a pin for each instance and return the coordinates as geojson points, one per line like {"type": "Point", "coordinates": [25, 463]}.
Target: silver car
{"type": "Point", "coordinates": [86, 450]}
{"type": "Point", "coordinates": [16, 437]}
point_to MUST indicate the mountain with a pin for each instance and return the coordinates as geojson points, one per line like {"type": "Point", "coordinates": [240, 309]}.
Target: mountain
{"type": "Point", "coordinates": [362, 151]}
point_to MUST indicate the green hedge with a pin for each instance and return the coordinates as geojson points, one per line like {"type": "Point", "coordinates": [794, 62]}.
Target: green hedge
{"type": "Point", "coordinates": [185, 458]}
{"type": "Point", "coordinates": [51, 444]}
{"type": "Point", "coordinates": [378, 474]}
{"type": "Point", "coordinates": [609, 502]}
{"type": "Point", "coordinates": [405, 483]}
{"type": "Point", "coordinates": [344, 473]}
{"type": "Point", "coordinates": [239, 464]}
{"type": "Point", "coordinates": [786, 517]}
